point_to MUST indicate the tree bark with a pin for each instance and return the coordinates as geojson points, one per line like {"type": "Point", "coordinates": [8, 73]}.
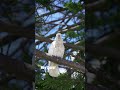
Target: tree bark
{"type": "Point", "coordinates": [58, 60]}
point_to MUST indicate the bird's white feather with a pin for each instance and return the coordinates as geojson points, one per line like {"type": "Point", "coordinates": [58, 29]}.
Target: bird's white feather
{"type": "Point", "coordinates": [56, 49]}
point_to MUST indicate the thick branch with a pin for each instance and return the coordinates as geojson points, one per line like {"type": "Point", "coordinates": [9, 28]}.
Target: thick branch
{"type": "Point", "coordinates": [103, 51]}
{"type": "Point", "coordinates": [100, 5]}
{"type": "Point", "coordinates": [21, 70]}
{"type": "Point", "coordinates": [44, 39]}
{"type": "Point", "coordinates": [57, 60]}
{"type": "Point", "coordinates": [97, 5]}
{"type": "Point", "coordinates": [16, 30]}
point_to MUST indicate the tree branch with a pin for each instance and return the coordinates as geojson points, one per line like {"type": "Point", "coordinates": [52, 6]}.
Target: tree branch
{"type": "Point", "coordinates": [50, 13]}
{"type": "Point", "coordinates": [44, 39]}
{"type": "Point", "coordinates": [57, 60]}
{"type": "Point", "coordinates": [21, 70]}
{"type": "Point", "coordinates": [16, 30]}
{"type": "Point", "coordinates": [72, 27]}
{"type": "Point", "coordinates": [103, 51]}
{"type": "Point", "coordinates": [97, 5]}
{"type": "Point", "coordinates": [53, 21]}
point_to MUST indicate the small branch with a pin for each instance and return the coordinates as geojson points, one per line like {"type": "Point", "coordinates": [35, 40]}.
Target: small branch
{"type": "Point", "coordinates": [50, 22]}
{"type": "Point", "coordinates": [50, 13]}
{"type": "Point", "coordinates": [57, 60]}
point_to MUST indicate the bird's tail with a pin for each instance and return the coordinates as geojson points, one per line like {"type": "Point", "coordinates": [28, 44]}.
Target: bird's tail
{"type": "Point", "coordinates": [53, 69]}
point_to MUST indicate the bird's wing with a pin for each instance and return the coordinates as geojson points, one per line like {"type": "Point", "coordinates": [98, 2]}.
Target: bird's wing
{"type": "Point", "coordinates": [51, 49]}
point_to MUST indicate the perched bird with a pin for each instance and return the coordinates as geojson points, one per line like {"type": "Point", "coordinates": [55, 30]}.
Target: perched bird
{"type": "Point", "coordinates": [56, 49]}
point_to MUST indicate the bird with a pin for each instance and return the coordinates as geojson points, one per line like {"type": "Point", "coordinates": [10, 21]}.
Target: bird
{"type": "Point", "coordinates": [56, 49]}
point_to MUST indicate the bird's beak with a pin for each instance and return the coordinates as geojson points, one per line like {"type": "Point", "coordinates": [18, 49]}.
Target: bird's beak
{"type": "Point", "coordinates": [59, 36]}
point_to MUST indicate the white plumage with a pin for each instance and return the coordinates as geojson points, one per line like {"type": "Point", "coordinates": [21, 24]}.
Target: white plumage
{"type": "Point", "coordinates": [56, 49]}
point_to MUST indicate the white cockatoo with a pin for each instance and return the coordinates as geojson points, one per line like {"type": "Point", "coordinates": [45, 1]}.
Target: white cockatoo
{"type": "Point", "coordinates": [56, 49]}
